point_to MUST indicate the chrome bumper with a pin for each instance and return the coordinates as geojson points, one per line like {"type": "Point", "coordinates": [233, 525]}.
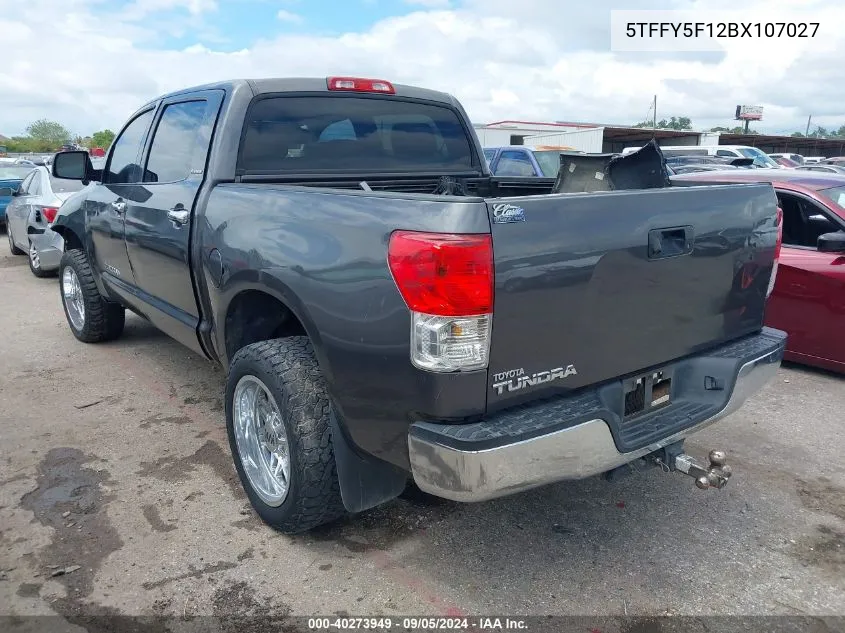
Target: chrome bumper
{"type": "Point", "coordinates": [575, 452]}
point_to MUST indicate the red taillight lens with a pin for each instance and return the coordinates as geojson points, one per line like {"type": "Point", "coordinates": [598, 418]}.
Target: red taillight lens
{"type": "Point", "coordinates": [49, 213]}
{"type": "Point", "coordinates": [443, 274]}
{"type": "Point", "coordinates": [357, 84]}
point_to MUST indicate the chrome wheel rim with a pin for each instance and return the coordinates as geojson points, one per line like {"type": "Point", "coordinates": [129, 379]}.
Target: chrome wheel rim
{"type": "Point", "coordinates": [72, 298]}
{"type": "Point", "coordinates": [262, 440]}
{"type": "Point", "coordinates": [33, 257]}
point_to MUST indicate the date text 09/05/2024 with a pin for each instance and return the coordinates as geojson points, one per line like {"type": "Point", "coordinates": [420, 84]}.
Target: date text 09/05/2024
{"type": "Point", "coordinates": [722, 29]}
{"type": "Point", "coordinates": [416, 624]}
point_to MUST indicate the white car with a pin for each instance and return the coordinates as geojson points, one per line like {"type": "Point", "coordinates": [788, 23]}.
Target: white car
{"type": "Point", "coordinates": [33, 209]}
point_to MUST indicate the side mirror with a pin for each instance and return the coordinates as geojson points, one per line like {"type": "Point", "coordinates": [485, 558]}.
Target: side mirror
{"type": "Point", "coordinates": [6, 192]}
{"type": "Point", "coordinates": [73, 165]}
{"type": "Point", "coordinates": [832, 242]}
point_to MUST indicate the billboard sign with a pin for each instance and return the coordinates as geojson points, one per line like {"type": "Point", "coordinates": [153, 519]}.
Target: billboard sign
{"type": "Point", "coordinates": [749, 113]}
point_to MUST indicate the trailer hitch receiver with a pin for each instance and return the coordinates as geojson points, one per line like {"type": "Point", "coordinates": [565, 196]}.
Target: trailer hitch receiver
{"type": "Point", "coordinates": [715, 475]}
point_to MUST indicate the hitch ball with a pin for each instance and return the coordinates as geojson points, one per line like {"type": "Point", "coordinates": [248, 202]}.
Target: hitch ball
{"type": "Point", "coordinates": [718, 458]}
{"type": "Point", "coordinates": [715, 475]}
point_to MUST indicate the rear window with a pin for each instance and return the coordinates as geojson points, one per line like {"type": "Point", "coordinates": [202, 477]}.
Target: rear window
{"type": "Point", "coordinates": [61, 185]}
{"type": "Point", "coordinates": [342, 133]}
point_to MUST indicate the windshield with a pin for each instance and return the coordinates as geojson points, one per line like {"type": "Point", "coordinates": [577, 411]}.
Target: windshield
{"type": "Point", "coordinates": [549, 161]}
{"type": "Point", "coordinates": [14, 172]}
{"type": "Point", "coordinates": [760, 159]}
{"type": "Point", "coordinates": [835, 194]}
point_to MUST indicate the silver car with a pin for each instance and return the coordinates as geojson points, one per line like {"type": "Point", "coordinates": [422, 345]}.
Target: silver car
{"type": "Point", "coordinates": [28, 217]}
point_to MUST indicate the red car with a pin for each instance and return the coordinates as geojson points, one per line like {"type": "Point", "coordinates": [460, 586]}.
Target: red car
{"type": "Point", "coordinates": [808, 300]}
{"type": "Point", "coordinates": [783, 161]}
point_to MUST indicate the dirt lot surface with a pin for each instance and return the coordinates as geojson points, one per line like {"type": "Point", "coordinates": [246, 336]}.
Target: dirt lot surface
{"type": "Point", "coordinates": [115, 469]}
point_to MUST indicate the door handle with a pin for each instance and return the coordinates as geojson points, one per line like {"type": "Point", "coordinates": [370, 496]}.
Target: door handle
{"type": "Point", "coordinates": [179, 215]}
{"type": "Point", "coordinates": [119, 206]}
{"type": "Point", "coordinates": [670, 242]}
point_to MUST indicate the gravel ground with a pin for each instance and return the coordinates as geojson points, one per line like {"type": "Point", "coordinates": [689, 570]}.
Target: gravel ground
{"type": "Point", "coordinates": [115, 468]}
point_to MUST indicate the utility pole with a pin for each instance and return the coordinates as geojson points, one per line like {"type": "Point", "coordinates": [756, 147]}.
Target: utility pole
{"type": "Point", "coordinates": [654, 112]}
{"type": "Point", "coordinates": [809, 118]}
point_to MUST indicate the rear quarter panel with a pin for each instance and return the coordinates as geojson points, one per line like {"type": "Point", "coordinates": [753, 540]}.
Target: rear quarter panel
{"type": "Point", "coordinates": [324, 254]}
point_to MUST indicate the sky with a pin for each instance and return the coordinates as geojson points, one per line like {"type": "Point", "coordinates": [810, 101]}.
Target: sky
{"type": "Point", "coordinates": [88, 64]}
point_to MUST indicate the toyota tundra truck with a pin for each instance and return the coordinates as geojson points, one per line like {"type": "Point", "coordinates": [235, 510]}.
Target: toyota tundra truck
{"type": "Point", "coordinates": [391, 314]}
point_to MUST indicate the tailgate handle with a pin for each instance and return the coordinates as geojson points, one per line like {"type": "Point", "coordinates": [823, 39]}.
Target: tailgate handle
{"type": "Point", "coordinates": [670, 242]}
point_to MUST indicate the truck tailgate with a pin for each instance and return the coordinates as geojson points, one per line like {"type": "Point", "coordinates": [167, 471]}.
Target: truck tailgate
{"type": "Point", "coordinates": [592, 287]}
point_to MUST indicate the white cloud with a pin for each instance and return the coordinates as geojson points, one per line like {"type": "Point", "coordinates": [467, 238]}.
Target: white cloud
{"type": "Point", "coordinates": [431, 4]}
{"type": "Point", "coordinates": [527, 60]}
{"type": "Point", "coordinates": [289, 16]}
{"type": "Point", "coordinates": [141, 8]}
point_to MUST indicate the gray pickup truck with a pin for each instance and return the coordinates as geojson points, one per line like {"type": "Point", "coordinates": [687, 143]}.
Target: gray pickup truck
{"type": "Point", "coordinates": [389, 312]}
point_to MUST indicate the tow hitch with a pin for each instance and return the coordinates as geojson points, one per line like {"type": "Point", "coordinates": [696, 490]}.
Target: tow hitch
{"type": "Point", "coordinates": [715, 475]}
{"type": "Point", "coordinates": [673, 458]}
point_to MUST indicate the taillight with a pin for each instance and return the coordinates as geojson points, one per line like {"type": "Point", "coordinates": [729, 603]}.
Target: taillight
{"type": "Point", "coordinates": [447, 282]}
{"type": "Point", "coordinates": [357, 84]}
{"type": "Point", "coordinates": [49, 213]}
{"type": "Point", "coordinates": [778, 245]}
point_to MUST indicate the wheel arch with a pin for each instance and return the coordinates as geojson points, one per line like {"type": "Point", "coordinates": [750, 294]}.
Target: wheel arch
{"type": "Point", "coordinates": [249, 295]}
{"type": "Point", "coordinates": [71, 238]}
{"type": "Point", "coordinates": [365, 481]}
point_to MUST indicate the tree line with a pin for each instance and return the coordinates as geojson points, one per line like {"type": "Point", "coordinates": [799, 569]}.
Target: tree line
{"type": "Point", "coordinates": [685, 123]}
{"type": "Point", "coordinates": [43, 136]}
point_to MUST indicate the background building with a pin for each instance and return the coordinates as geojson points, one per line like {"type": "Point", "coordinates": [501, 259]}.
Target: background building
{"type": "Point", "coordinates": [597, 137]}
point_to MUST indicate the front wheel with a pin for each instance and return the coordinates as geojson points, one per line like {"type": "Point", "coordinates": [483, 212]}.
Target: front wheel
{"type": "Point", "coordinates": [91, 317]}
{"type": "Point", "coordinates": [277, 418]}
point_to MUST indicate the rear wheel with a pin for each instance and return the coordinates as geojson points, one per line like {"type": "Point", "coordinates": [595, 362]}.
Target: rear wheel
{"type": "Point", "coordinates": [91, 317]}
{"type": "Point", "coordinates": [277, 418]}
{"type": "Point", "coordinates": [35, 263]}
{"type": "Point", "coordinates": [15, 250]}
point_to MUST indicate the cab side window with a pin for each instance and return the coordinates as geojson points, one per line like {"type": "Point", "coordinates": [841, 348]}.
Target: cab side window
{"type": "Point", "coordinates": [175, 142]}
{"type": "Point", "coordinates": [804, 221]}
{"type": "Point", "coordinates": [123, 167]}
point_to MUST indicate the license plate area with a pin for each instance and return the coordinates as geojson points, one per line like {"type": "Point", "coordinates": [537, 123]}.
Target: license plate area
{"type": "Point", "coordinates": [647, 392]}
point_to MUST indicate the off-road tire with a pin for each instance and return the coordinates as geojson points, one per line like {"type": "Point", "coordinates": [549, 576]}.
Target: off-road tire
{"type": "Point", "coordinates": [289, 369]}
{"type": "Point", "coordinates": [15, 250]}
{"type": "Point", "coordinates": [104, 319]}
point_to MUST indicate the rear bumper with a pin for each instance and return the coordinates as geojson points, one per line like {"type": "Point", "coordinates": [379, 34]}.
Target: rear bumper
{"type": "Point", "coordinates": [50, 247]}
{"type": "Point", "coordinates": [510, 452]}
